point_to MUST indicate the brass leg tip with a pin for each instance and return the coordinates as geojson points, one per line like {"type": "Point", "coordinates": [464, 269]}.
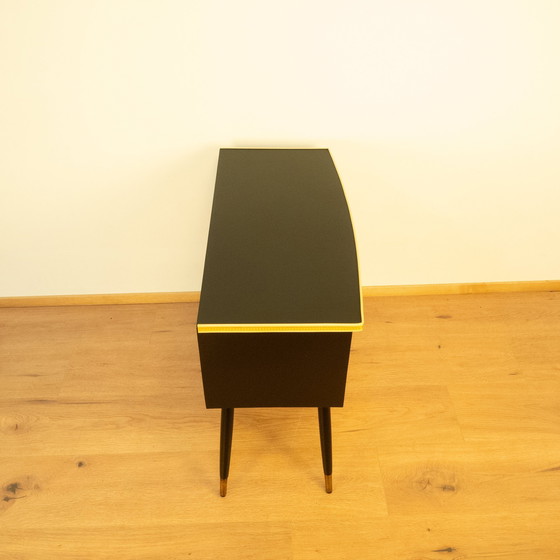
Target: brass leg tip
{"type": "Point", "coordinates": [328, 483]}
{"type": "Point", "coordinates": [223, 487]}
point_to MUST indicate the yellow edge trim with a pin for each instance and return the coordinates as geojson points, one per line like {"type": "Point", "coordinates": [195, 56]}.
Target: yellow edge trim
{"type": "Point", "coordinates": [274, 148]}
{"type": "Point", "coordinates": [306, 327]}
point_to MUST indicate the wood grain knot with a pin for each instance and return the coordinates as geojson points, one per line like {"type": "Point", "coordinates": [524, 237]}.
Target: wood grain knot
{"type": "Point", "coordinates": [552, 469]}
{"type": "Point", "coordinates": [10, 493]}
{"type": "Point", "coordinates": [13, 487]}
{"type": "Point", "coordinates": [434, 481]}
{"type": "Point", "coordinates": [17, 424]}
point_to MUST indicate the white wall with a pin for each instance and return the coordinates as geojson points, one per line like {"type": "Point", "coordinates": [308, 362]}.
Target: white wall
{"type": "Point", "coordinates": [443, 117]}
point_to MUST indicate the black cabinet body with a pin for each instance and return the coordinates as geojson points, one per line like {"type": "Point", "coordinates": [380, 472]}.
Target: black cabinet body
{"type": "Point", "coordinates": [280, 294]}
{"type": "Point", "coordinates": [274, 369]}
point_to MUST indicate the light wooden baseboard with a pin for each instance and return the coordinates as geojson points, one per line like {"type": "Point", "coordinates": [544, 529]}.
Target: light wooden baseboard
{"type": "Point", "coordinates": [367, 291]}
{"type": "Point", "coordinates": [462, 288]}
{"type": "Point", "coordinates": [100, 299]}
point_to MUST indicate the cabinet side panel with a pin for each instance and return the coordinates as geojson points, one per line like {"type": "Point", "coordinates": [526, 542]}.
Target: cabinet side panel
{"type": "Point", "coordinates": [274, 369]}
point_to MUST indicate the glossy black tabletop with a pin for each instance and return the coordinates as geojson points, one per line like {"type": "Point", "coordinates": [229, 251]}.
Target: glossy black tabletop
{"type": "Point", "coordinates": [281, 254]}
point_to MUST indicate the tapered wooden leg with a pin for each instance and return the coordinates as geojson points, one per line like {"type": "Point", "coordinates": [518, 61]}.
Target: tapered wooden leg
{"type": "Point", "coordinates": [226, 433]}
{"type": "Point", "coordinates": [326, 445]}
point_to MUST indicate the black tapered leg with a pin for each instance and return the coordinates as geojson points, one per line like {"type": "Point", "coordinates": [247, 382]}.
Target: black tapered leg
{"type": "Point", "coordinates": [326, 445]}
{"type": "Point", "coordinates": [226, 433]}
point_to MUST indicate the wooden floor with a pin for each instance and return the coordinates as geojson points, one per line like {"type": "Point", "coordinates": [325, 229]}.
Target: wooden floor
{"type": "Point", "coordinates": [448, 446]}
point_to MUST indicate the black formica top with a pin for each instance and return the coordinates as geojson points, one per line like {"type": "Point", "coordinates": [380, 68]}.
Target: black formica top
{"type": "Point", "coordinates": [281, 254]}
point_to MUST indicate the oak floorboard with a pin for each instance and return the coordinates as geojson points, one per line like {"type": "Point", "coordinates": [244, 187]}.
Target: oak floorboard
{"type": "Point", "coordinates": [472, 478]}
{"type": "Point", "coordinates": [170, 488]}
{"type": "Point", "coordinates": [520, 410]}
{"type": "Point", "coordinates": [199, 541]}
{"type": "Point", "coordinates": [432, 536]}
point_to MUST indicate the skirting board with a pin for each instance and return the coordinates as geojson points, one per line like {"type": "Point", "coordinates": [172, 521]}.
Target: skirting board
{"type": "Point", "coordinates": [100, 299]}
{"type": "Point", "coordinates": [463, 288]}
{"type": "Point", "coordinates": [367, 291]}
